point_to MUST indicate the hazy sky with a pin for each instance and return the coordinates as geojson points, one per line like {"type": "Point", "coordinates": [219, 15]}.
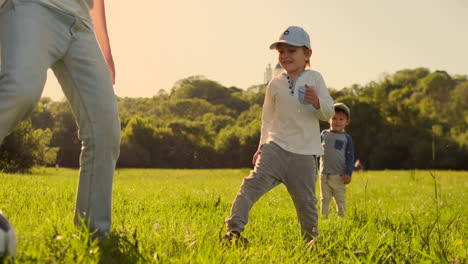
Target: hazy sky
{"type": "Point", "coordinates": [156, 43]}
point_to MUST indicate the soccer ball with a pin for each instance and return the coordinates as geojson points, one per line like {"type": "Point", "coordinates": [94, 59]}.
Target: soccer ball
{"type": "Point", "coordinates": [7, 237]}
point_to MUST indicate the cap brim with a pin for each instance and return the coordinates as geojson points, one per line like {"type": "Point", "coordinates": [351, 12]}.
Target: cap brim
{"type": "Point", "coordinates": [344, 109]}
{"type": "Point", "coordinates": [292, 43]}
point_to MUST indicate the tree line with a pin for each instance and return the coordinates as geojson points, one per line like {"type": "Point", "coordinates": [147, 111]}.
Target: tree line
{"type": "Point", "coordinates": [412, 119]}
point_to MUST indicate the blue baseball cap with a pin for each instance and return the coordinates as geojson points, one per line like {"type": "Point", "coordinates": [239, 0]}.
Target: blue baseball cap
{"type": "Point", "coordinates": [294, 36]}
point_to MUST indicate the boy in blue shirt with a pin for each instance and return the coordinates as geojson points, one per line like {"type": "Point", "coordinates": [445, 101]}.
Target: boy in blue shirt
{"type": "Point", "coordinates": [337, 162]}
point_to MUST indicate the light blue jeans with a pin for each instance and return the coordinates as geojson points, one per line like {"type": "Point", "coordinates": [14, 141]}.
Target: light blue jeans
{"type": "Point", "coordinates": [34, 38]}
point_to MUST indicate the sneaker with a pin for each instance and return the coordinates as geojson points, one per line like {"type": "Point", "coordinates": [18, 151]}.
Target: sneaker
{"type": "Point", "coordinates": [98, 235]}
{"type": "Point", "coordinates": [234, 237]}
{"type": "Point", "coordinates": [311, 243]}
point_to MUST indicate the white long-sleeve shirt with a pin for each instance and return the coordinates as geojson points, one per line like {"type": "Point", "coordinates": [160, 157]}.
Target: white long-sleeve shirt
{"type": "Point", "coordinates": [290, 124]}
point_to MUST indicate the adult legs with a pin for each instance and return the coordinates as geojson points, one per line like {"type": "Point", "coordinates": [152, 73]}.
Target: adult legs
{"type": "Point", "coordinates": [87, 84]}
{"type": "Point", "coordinates": [34, 37]}
{"type": "Point", "coordinates": [28, 46]}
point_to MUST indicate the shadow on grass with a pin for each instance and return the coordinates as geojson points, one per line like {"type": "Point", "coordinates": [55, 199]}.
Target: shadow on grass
{"type": "Point", "coordinates": [118, 249]}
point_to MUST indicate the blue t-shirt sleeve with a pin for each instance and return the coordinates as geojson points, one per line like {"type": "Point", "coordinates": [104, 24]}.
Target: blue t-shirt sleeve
{"type": "Point", "coordinates": [349, 156]}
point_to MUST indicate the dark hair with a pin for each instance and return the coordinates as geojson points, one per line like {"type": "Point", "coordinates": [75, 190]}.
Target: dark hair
{"type": "Point", "coordinates": [339, 110]}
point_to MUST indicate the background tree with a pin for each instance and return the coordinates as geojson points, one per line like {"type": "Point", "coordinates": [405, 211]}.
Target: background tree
{"type": "Point", "coordinates": [411, 119]}
{"type": "Point", "coordinates": [65, 135]}
{"type": "Point", "coordinates": [26, 147]}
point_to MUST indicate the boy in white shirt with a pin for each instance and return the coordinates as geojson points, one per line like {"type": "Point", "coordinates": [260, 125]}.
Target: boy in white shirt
{"type": "Point", "coordinates": [290, 137]}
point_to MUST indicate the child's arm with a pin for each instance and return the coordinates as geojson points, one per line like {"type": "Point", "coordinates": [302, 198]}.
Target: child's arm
{"type": "Point", "coordinates": [267, 115]}
{"type": "Point", "coordinates": [346, 179]}
{"type": "Point", "coordinates": [255, 156]}
{"type": "Point", "coordinates": [98, 13]}
{"type": "Point", "coordinates": [267, 120]}
{"type": "Point", "coordinates": [311, 97]}
{"type": "Point", "coordinates": [320, 99]}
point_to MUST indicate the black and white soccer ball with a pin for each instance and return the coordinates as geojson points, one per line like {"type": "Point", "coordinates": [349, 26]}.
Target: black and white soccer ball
{"type": "Point", "coordinates": [7, 238]}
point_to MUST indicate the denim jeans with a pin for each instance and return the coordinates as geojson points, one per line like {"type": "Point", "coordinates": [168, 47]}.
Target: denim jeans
{"type": "Point", "coordinates": [274, 166]}
{"type": "Point", "coordinates": [34, 38]}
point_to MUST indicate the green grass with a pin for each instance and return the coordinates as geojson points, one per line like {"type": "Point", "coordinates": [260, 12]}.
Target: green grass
{"type": "Point", "coordinates": [177, 216]}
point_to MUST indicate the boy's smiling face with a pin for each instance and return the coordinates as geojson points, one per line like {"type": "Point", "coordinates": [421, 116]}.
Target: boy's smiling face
{"type": "Point", "coordinates": [339, 121]}
{"type": "Point", "coordinates": [293, 59]}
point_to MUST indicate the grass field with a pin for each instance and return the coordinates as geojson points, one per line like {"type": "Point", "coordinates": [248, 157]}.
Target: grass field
{"type": "Point", "coordinates": [177, 216]}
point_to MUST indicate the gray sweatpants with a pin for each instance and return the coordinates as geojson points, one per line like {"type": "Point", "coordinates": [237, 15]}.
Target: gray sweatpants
{"type": "Point", "coordinates": [274, 166]}
{"type": "Point", "coordinates": [34, 38]}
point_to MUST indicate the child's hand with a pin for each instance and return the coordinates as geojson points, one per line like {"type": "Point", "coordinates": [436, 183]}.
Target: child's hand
{"type": "Point", "coordinates": [255, 156]}
{"type": "Point", "coordinates": [311, 97]}
{"type": "Point", "coordinates": [346, 179]}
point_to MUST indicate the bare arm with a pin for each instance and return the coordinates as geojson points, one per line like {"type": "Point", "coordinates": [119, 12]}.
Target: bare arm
{"type": "Point", "coordinates": [98, 13]}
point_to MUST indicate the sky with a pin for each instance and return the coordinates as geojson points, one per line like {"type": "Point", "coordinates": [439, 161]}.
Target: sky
{"type": "Point", "coordinates": [156, 43]}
